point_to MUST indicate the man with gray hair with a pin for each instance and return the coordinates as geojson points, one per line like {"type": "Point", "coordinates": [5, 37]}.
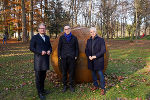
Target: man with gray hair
{"type": "Point", "coordinates": [95, 49]}
{"type": "Point", "coordinates": [41, 47]}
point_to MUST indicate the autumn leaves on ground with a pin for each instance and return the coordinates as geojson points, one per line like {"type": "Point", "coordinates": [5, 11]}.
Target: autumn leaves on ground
{"type": "Point", "coordinates": [127, 75]}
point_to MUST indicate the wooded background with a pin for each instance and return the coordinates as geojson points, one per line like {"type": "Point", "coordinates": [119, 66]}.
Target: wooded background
{"type": "Point", "coordinates": [113, 18]}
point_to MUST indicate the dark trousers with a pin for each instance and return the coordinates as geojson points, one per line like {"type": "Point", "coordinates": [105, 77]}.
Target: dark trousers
{"type": "Point", "coordinates": [39, 79]}
{"type": "Point", "coordinates": [101, 78]}
{"type": "Point", "coordinates": [68, 65]}
{"type": "Point", "coordinates": [4, 41]}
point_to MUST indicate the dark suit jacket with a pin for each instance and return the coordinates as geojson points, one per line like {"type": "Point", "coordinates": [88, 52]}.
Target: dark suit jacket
{"type": "Point", "coordinates": [95, 47]}
{"type": "Point", "coordinates": [66, 48]}
{"type": "Point", "coordinates": [37, 45]}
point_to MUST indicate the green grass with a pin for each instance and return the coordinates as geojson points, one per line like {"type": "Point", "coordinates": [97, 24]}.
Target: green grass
{"type": "Point", "coordinates": [147, 37]}
{"type": "Point", "coordinates": [17, 79]}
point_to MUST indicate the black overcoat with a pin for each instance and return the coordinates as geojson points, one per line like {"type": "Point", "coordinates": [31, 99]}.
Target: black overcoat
{"type": "Point", "coordinates": [37, 45]}
{"type": "Point", "coordinates": [95, 47]}
{"type": "Point", "coordinates": [66, 48]}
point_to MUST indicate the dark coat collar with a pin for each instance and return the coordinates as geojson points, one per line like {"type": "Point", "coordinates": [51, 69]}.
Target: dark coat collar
{"type": "Point", "coordinates": [41, 37]}
{"type": "Point", "coordinates": [96, 36]}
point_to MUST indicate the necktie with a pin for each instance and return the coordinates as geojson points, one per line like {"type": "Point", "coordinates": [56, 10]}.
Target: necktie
{"type": "Point", "coordinates": [43, 38]}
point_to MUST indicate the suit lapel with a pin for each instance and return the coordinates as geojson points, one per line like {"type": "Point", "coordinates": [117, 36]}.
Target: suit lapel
{"type": "Point", "coordinates": [41, 37]}
{"type": "Point", "coordinates": [46, 39]}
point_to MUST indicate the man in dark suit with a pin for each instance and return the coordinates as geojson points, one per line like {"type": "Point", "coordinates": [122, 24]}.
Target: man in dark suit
{"type": "Point", "coordinates": [41, 47]}
{"type": "Point", "coordinates": [68, 51]}
{"type": "Point", "coordinates": [95, 49]}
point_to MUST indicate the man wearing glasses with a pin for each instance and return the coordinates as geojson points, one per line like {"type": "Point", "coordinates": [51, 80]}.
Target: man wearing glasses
{"type": "Point", "coordinates": [41, 47]}
{"type": "Point", "coordinates": [68, 51]}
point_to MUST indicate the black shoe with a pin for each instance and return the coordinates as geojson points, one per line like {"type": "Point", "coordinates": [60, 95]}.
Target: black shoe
{"type": "Point", "coordinates": [64, 89]}
{"type": "Point", "coordinates": [45, 92]}
{"type": "Point", "coordinates": [42, 97]}
{"type": "Point", "coordinates": [72, 89]}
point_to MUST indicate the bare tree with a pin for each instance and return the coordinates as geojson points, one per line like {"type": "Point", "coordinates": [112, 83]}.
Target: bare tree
{"type": "Point", "coordinates": [107, 9]}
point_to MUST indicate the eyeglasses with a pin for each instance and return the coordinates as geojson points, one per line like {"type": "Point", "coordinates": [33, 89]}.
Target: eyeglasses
{"type": "Point", "coordinates": [42, 28]}
{"type": "Point", "coordinates": [67, 29]}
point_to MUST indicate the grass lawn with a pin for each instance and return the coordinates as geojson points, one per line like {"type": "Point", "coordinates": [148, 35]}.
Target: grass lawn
{"type": "Point", "coordinates": [127, 75]}
{"type": "Point", "coordinates": [147, 37]}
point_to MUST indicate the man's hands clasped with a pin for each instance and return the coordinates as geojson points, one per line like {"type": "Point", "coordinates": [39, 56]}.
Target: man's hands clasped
{"type": "Point", "coordinates": [92, 57]}
{"type": "Point", "coordinates": [44, 52]}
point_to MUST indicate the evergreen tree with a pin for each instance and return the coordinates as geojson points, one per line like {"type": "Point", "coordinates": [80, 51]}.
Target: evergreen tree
{"type": "Point", "coordinates": [57, 17]}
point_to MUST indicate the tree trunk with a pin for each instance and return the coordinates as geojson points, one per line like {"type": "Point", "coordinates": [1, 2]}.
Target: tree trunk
{"type": "Point", "coordinates": [138, 25]}
{"type": "Point", "coordinates": [18, 22]}
{"type": "Point", "coordinates": [31, 19]}
{"type": "Point", "coordinates": [149, 30]}
{"type": "Point", "coordinates": [124, 24]}
{"type": "Point", "coordinates": [75, 11]}
{"type": "Point", "coordinates": [136, 17]}
{"type": "Point", "coordinates": [72, 10]}
{"type": "Point", "coordinates": [117, 28]}
{"type": "Point", "coordinates": [121, 28]}
{"type": "Point", "coordinates": [41, 8]}
{"type": "Point", "coordinates": [5, 7]}
{"type": "Point", "coordinates": [24, 39]}
{"type": "Point", "coordinates": [90, 7]}
{"type": "Point", "coordinates": [45, 10]}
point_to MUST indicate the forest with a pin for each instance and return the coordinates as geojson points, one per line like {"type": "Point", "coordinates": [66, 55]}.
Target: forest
{"type": "Point", "coordinates": [113, 18]}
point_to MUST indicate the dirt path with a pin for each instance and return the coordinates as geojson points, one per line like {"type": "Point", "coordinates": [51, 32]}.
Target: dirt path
{"type": "Point", "coordinates": [11, 41]}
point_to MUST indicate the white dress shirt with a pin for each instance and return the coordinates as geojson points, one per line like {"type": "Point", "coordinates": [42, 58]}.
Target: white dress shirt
{"type": "Point", "coordinates": [43, 37]}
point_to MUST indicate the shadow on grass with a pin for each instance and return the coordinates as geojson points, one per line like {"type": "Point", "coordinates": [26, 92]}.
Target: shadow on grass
{"type": "Point", "coordinates": [126, 77]}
